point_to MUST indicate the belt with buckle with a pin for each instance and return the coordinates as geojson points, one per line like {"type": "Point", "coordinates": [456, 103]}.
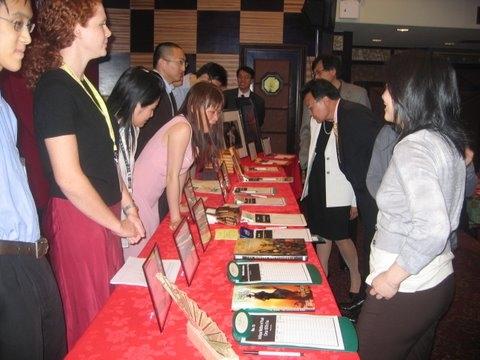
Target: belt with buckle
{"type": "Point", "coordinates": [36, 249]}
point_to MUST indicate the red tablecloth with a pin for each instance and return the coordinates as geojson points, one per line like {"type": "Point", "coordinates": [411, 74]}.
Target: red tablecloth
{"type": "Point", "coordinates": [126, 327]}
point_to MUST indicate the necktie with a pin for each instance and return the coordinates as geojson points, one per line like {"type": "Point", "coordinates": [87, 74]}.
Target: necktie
{"type": "Point", "coordinates": [173, 102]}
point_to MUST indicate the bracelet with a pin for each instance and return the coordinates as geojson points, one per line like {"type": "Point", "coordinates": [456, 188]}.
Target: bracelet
{"type": "Point", "coordinates": [128, 207]}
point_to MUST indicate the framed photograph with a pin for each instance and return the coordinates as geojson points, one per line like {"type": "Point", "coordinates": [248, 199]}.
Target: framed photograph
{"type": "Point", "coordinates": [266, 146]}
{"type": "Point", "coordinates": [161, 299]}
{"type": "Point", "coordinates": [203, 228]}
{"type": "Point", "coordinates": [226, 178]}
{"type": "Point", "coordinates": [233, 132]}
{"type": "Point", "coordinates": [252, 150]}
{"type": "Point", "coordinates": [187, 252]}
{"type": "Point", "coordinates": [236, 164]}
{"type": "Point", "coordinates": [249, 122]}
{"type": "Point", "coordinates": [190, 196]}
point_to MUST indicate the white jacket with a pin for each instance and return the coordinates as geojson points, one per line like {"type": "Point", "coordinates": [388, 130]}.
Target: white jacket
{"type": "Point", "coordinates": [339, 191]}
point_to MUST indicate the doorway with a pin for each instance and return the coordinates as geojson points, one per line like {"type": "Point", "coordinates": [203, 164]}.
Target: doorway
{"type": "Point", "coordinates": [279, 77]}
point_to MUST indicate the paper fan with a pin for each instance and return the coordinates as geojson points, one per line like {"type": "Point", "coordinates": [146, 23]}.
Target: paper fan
{"type": "Point", "coordinates": [215, 337]}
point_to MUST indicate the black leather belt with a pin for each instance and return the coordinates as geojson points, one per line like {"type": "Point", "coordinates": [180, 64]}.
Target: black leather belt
{"type": "Point", "coordinates": [36, 249]}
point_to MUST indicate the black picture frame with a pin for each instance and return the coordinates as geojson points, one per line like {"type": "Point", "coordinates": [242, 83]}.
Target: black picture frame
{"type": "Point", "coordinates": [187, 251]}
{"type": "Point", "coordinates": [161, 299]}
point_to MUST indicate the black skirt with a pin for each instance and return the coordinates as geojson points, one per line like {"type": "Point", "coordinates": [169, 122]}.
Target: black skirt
{"type": "Point", "coordinates": [330, 223]}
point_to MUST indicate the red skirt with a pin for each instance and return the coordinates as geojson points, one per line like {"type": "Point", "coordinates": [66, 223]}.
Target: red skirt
{"type": "Point", "coordinates": [84, 256]}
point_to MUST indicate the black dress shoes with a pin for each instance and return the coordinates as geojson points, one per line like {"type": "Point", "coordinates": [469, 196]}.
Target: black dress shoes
{"type": "Point", "coordinates": [356, 301]}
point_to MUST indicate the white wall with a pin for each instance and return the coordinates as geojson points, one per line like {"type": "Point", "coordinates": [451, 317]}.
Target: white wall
{"type": "Point", "coordinates": [430, 13]}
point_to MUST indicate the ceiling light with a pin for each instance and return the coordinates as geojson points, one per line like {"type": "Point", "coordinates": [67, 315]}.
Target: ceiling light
{"type": "Point", "coordinates": [449, 43]}
{"type": "Point", "coordinates": [403, 29]}
{"type": "Point", "coordinates": [377, 40]}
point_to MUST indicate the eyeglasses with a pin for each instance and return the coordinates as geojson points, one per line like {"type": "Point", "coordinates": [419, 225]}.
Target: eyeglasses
{"type": "Point", "coordinates": [180, 62]}
{"type": "Point", "coordinates": [18, 25]}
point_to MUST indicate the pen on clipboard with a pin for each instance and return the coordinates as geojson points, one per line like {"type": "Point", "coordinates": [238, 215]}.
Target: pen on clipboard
{"type": "Point", "coordinates": [258, 196]}
{"type": "Point", "coordinates": [273, 353]}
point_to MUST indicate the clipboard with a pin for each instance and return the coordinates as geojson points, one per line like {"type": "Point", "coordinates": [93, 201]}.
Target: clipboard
{"type": "Point", "coordinates": [282, 329]}
{"type": "Point", "coordinates": [249, 272]}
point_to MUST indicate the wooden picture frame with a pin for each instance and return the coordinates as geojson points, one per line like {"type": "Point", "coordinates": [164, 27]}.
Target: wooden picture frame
{"type": "Point", "coordinates": [200, 217]}
{"type": "Point", "coordinates": [226, 177]}
{"type": "Point", "coordinates": [233, 131]}
{"type": "Point", "coordinates": [187, 251]}
{"type": "Point", "coordinates": [161, 299]}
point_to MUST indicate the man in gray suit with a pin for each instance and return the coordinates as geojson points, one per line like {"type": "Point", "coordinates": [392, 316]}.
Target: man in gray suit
{"type": "Point", "coordinates": [328, 67]}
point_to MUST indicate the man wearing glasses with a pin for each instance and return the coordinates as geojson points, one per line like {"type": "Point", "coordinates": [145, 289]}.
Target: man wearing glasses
{"type": "Point", "coordinates": [31, 315]}
{"type": "Point", "coordinates": [169, 63]}
{"type": "Point", "coordinates": [328, 67]}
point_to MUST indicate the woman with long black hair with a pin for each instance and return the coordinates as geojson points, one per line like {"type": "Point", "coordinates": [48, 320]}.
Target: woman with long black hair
{"type": "Point", "coordinates": [419, 200]}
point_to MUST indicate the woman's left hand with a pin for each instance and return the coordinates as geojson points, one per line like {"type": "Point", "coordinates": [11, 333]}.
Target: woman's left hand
{"type": "Point", "coordinates": [383, 287]}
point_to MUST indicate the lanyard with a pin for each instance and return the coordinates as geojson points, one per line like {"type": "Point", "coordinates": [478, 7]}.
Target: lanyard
{"type": "Point", "coordinates": [96, 98]}
{"type": "Point", "coordinates": [126, 158]}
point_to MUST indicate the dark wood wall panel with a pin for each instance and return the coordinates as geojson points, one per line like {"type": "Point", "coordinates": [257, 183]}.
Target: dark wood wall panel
{"type": "Point", "coordinates": [261, 27]}
{"type": "Point", "coordinates": [179, 26]}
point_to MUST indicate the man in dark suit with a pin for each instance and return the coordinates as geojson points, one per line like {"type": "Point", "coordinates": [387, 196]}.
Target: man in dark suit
{"type": "Point", "coordinates": [356, 129]}
{"type": "Point", "coordinates": [233, 97]}
{"type": "Point", "coordinates": [169, 63]}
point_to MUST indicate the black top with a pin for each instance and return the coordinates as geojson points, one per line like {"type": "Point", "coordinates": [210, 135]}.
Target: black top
{"type": "Point", "coordinates": [62, 107]}
{"type": "Point", "coordinates": [161, 115]}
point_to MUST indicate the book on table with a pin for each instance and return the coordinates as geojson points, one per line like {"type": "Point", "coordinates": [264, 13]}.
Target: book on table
{"type": "Point", "coordinates": [273, 272]}
{"type": "Point", "coordinates": [259, 200]}
{"type": "Point", "coordinates": [294, 330]}
{"type": "Point", "coordinates": [206, 186]}
{"type": "Point", "coordinates": [273, 219]}
{"type": "Point", "coordinates": [254, 190]}
{"type": "Point", "coordinates": [275, 249]}
{"type": "Point", "coordinates": [273, 297]}
{"type": "Point", "coordinates": [279, 233]}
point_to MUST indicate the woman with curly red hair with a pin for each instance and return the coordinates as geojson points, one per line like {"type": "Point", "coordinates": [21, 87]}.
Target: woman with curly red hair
{"type": "Point", "coordinates": [78, 146]}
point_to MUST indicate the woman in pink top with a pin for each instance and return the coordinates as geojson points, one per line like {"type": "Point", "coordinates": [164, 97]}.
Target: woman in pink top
{"type": "Point", "coordinates": [195, 134]}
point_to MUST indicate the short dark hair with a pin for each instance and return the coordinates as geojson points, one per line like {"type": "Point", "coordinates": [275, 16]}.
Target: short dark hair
{"type": "Point", "coordinates": [321, 88]}
{"type": "Point", "coordinates": [163, 49]}
{"type": "Point", "coordinates": [425, 95]}
{"type": "Point", "coordinates": [248, 70]}
{"type": "Point", "coordinates": [214, 72]}
{"type": "Point", "coordinates": [329, 62]}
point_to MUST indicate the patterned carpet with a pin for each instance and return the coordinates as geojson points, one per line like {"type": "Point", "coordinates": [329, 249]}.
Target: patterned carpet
{"type": "Point", "coordinates": [458, 334]}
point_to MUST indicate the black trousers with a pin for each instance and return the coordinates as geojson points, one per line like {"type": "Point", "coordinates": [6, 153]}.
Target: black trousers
{"type": "Point", "coordinates": [404, 326]}
{"type": "Point", "coordinates": [31, 315]}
